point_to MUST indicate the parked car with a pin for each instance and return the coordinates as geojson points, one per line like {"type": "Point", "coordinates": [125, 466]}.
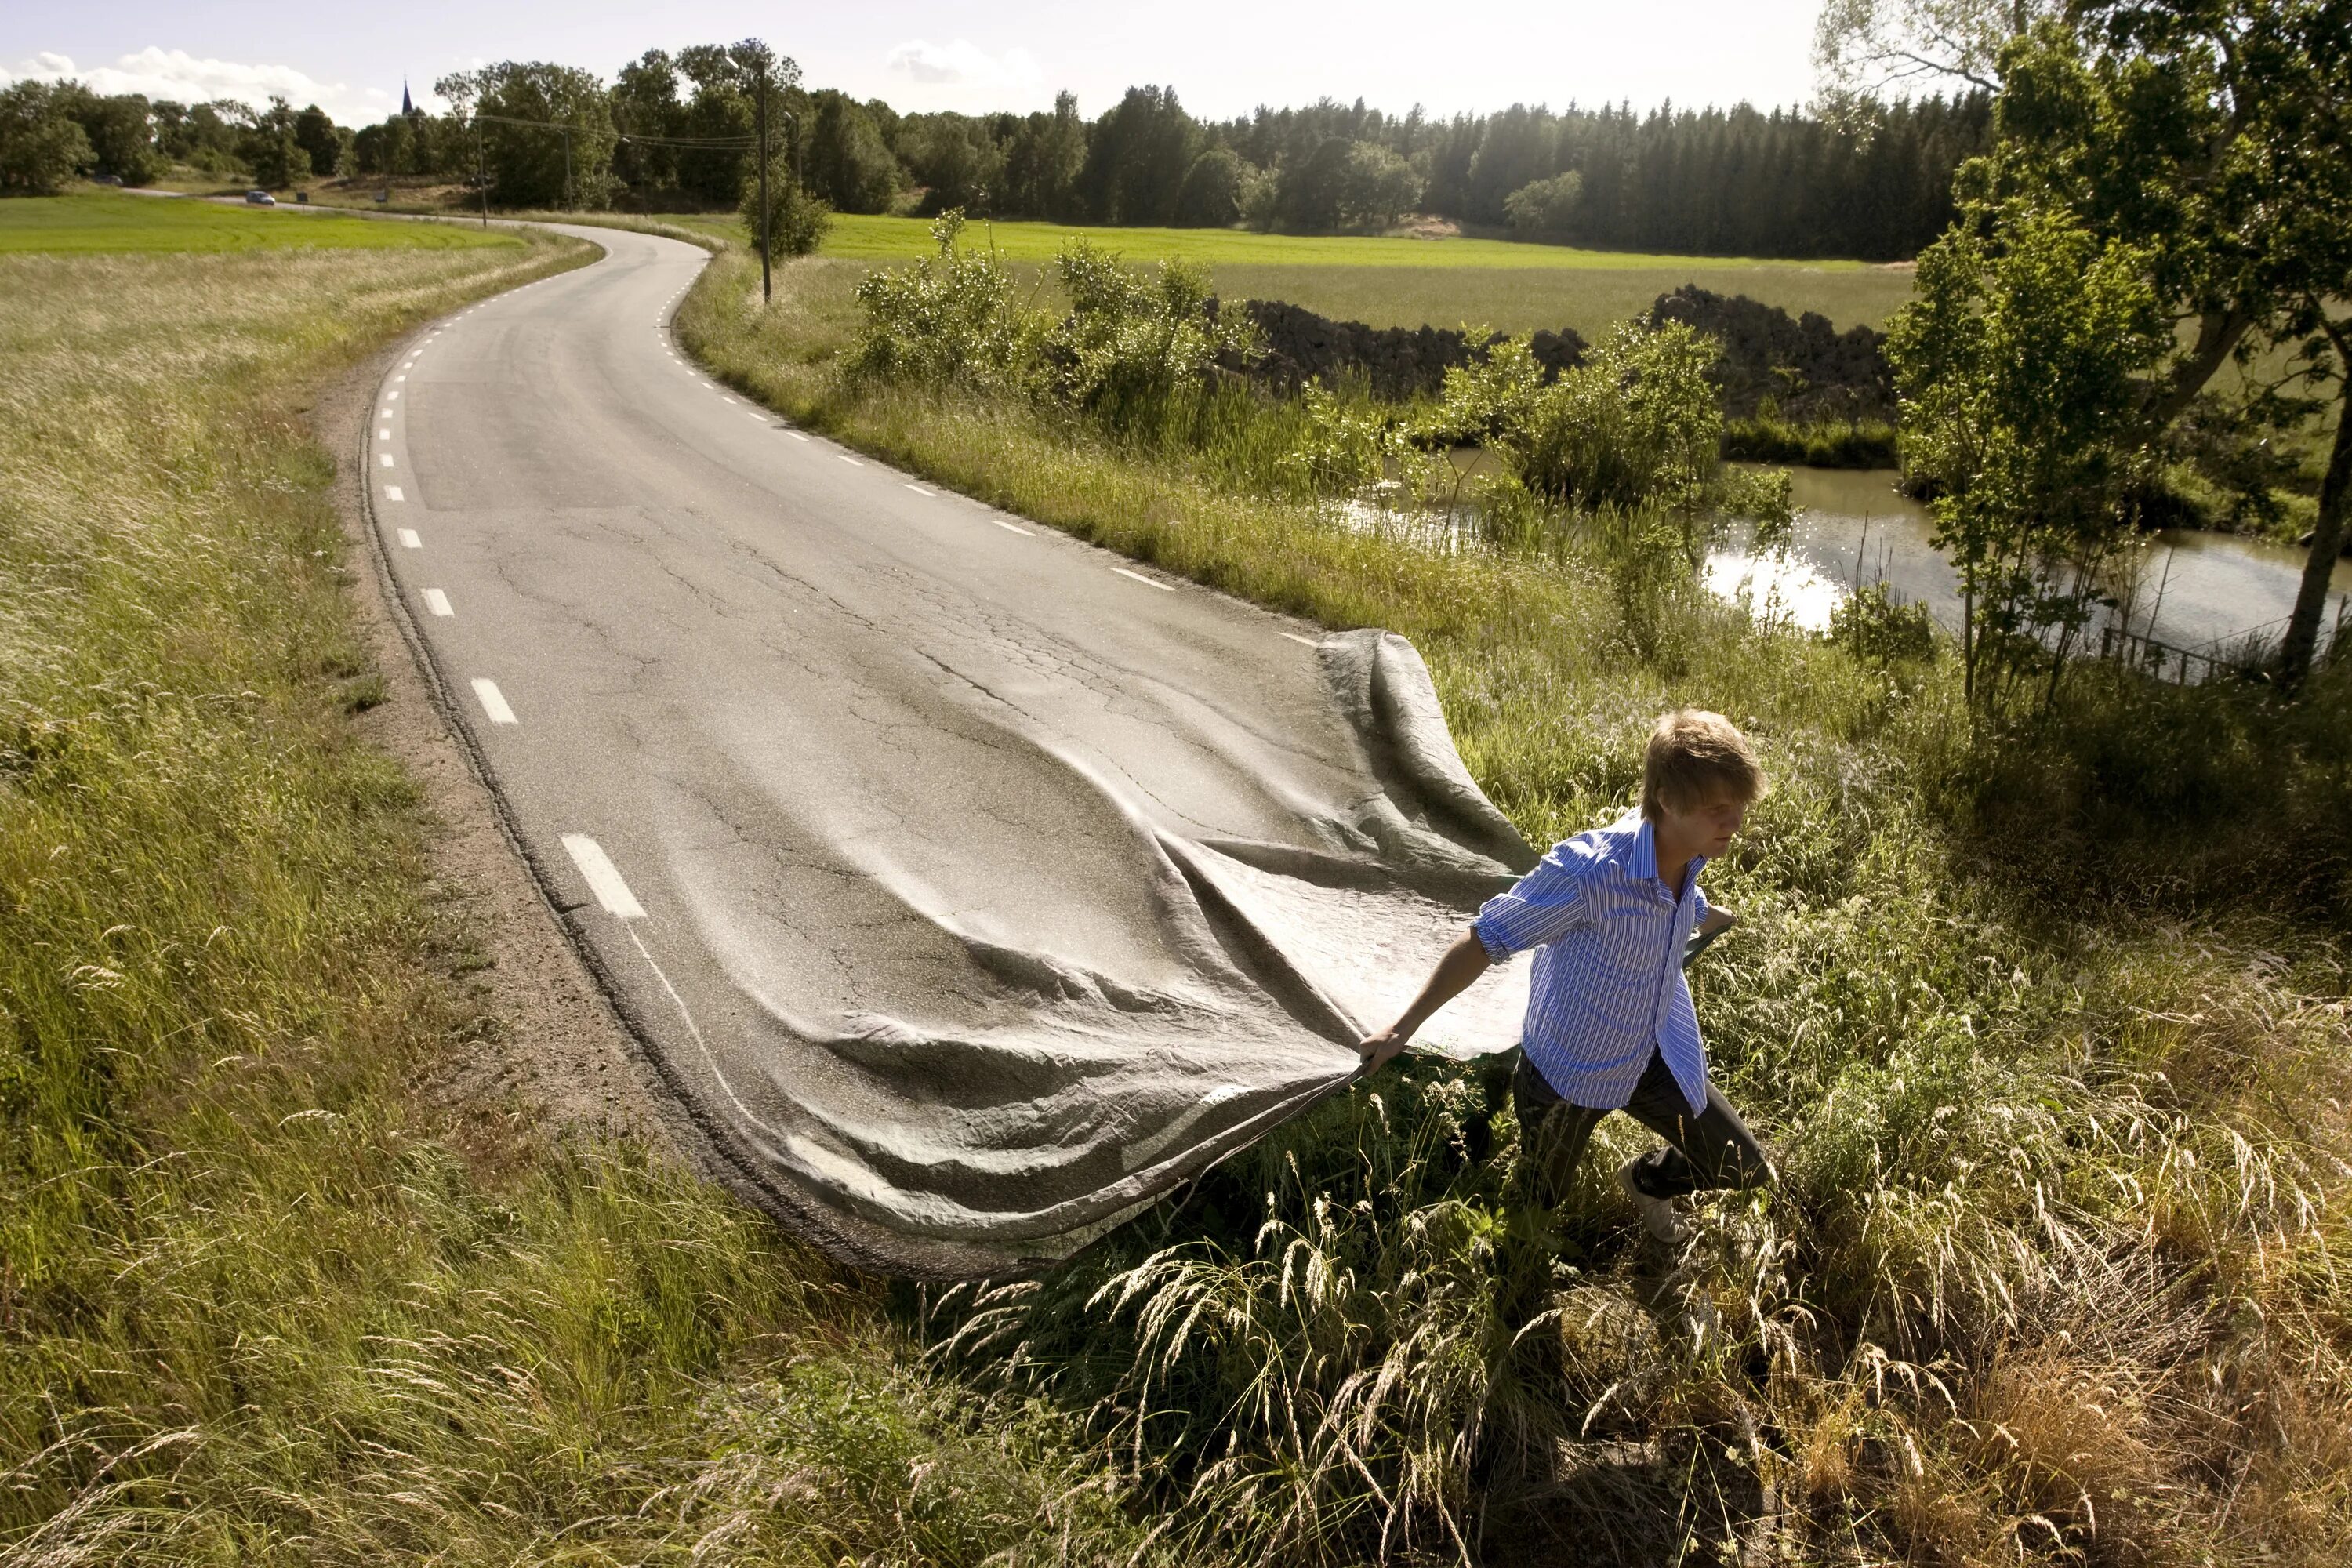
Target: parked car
{"type": "Point", "coordinates": [260, 199]}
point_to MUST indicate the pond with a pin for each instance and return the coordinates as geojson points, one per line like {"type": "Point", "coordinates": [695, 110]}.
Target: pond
{"type": "Point", "coordinates": [2189, 589]}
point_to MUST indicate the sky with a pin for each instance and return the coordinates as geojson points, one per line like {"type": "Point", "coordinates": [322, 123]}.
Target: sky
{"type": "Point", "coordinates": [1224, 58]}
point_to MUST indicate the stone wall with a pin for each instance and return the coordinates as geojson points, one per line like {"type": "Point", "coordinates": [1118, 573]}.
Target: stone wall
{"type": "Point", "coordinates": [1399, 363]}
{"type": "Point", "coordinates": [1807, 366]}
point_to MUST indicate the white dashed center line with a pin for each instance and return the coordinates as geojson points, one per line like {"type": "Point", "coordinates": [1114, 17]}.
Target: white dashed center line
{"type": "Point", "coordinates": [603, 878]}
{"type": "Point", "coordinates": [922, 491]}
{"type": "Point", "coordinates": [392, 397]}
{"type": "Point", "coordinates": [757, 418]}
{"type": "Point", "coordinates": [383, 435]}
{"type": "Point", "coordinates": [437, 602]}
{"type": "Point", "coordinates": [853, 462]}
{"type": "Point", "coordinates": [1142, 579]}
{"type": "Point", "coordinates": [392, 492]}
{"type": "Point", "coordinates": [384, 458]}
{"type": "Point", "coordinates": [1022, 531]}
{"type": "Point", "coordinates": [796, 434]}
{"type": "Point", "coordinates": [408, 540]}
{"type": "Point", "coordinates": [494, 701]}
{"type": "Point", "coordinates": [1294, 636]}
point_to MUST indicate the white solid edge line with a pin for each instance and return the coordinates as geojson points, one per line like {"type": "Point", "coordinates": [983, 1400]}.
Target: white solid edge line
{"type": "Point", "coordinates": [409, 540]}
{"type": "Point", "coordinates": [853, 462]}
{"type": "Point", "coordinates": [920, 490]}
{"type": "Point", "coordinates": [1294, 636]}
{"type": "Point", "coordinates": [493, 701]}
{"type": "Point", "coordinates": [437, 602]}
{"type": "Point", "coordinates": [1010, 528]}
{"type": "Point", "coordinates": [604, 877]}
{"type": "Point", "coordinates": [392, 492]}
{"type": "Point", "coordinates": [1142, 579]}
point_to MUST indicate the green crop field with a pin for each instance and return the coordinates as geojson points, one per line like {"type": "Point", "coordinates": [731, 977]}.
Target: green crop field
{"type": "Point", "coordinates": [1413, 282]}
{"type": "Point", "coordinates": [104, 222]}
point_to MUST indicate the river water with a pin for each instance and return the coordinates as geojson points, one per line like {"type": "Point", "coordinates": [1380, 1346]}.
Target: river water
{"type": "Point", "coordinates": [2189, 589]}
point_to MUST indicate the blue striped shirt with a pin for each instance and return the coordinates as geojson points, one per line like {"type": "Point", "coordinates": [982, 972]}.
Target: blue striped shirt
{"type": "Point", "coordinates": [1608, 983]}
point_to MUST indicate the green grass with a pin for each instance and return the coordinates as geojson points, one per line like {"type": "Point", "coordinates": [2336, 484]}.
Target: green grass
{"type": "Point", "coordinates": [259, 1304]}
{"type": "Point", "coordinates": [113, 222]}
{"type": "Point", "coordinates": [2046, 1027]}
{"type": "Point", "coordinates": [877, 238]}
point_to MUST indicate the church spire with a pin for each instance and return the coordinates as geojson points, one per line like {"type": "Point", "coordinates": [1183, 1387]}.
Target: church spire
{"type": "Point", "coordinates": [405, 107]}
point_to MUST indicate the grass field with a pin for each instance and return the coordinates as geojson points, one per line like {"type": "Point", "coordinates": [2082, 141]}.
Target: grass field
{"type": "Point", "coordinates": [1394, 282]}
{"type": "Point", "coordinates": [2046, 1030]}
{"type": "Point", "coordinates": [92, 224]}
{"type": "Point", "coordinates": [259, 1304]}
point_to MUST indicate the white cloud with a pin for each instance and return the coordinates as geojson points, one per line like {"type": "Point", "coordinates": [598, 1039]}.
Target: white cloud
{"type": "Point", "coordinates": [965, 64]}
{"type": "Point", "coordinates": [178, 75]}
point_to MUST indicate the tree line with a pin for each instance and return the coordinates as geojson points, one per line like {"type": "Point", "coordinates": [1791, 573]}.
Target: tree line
{"type": "Point", "coordinates": [675, 131]}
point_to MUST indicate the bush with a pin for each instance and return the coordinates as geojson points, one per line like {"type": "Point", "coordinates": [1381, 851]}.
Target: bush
{"type": "Point", "coordinates": [1135, 352]}
{"type": "Point", "coordinates": [1544, 209]}
{"type": "Point", "coordinates": [1635, 425]}
{"type": "Point", "coordinates": [1838, 444]}
{"type": "Point", "coordinates": [797, 221]}
{"type": "Point", "coordinates": [949, 319]}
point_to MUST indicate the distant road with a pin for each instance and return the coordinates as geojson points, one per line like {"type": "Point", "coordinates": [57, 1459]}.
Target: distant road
{"type": "Point", "coordinates": [970, 886]}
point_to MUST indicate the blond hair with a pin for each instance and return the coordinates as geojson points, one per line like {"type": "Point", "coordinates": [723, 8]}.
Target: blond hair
{"type": "Point", "coordinates": [1696, 758]}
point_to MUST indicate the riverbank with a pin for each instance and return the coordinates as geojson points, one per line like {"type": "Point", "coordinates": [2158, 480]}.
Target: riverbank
{"type": "Point", "coordinates": [2045, 1033]}
{"type": "Point", "coordinates": [287, 1274]}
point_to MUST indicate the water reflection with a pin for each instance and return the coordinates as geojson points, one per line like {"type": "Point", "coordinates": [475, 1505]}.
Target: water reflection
{"type": "Point", "coordinates": [1853, 528]}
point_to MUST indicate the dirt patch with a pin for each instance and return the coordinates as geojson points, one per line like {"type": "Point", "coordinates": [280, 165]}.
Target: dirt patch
{"type": "Point", "coordinates": [549, 1053]}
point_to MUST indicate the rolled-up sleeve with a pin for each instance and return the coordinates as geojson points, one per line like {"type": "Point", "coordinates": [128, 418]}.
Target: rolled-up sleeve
{"type": "Point", "coordinates": [1543, 905]}
{"type": "Point", "coordinates": [1701, 908]}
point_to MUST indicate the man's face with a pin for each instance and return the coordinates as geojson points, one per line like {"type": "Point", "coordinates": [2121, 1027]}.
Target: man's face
{"type": "Point", "coordinates": [1711, 827]}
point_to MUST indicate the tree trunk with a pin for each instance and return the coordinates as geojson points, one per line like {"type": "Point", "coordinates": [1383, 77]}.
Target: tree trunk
{"type": "Point", "coordinates": [2326, 543]}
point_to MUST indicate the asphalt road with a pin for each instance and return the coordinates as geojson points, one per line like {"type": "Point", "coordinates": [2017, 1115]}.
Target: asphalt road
{"type": "Point", "coordinates": [969, 885]}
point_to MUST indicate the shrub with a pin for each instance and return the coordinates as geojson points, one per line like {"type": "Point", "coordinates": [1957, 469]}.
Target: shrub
{"type": "Point", "coordinates": [1544, 209]}
{"type": "Point", "coordinates": [1135, 352]}
{"type": "Point", "coordinates": [797, 221]}
{"type": "Point", "coordinates": [949, 319]}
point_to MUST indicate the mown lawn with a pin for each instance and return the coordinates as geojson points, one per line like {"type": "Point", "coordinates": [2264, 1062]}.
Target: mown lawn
{"type": "Point", "coordinates": [108, 222]}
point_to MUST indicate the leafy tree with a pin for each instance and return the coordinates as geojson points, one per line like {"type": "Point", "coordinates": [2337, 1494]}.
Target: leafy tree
{"type": "Point", "coordinates": [1134, 351]}
{"type": "Point", "coordinates": [546, 131]}
{"type": "Point", "coordinates": [204, 134]}
{"type": "Point", "coordinates": [121, 133]}
{"type": "Point", "coordinates": [1377, 187]}
{"type": "Point", "coordinates": [1545, 209]}
{"type": "Point", "coordinates": [848, 164]}
{"type": "Point", "coordinates": [321, 139]}
{"type": "Point", "coordinates": [797, 222]}
{"type": "Point", "coordinates": [41, 146]}
{"type": "Point", "coordinates": [1043, 158]}
{"type": "Point", "coordinates": [269, 148]}
{"type": "Point", "coordinates": [1217, 191]}
{"type": "Point", "coordinates": [1137, 159]}
{"type": "Point", "coordinates": [955, 159]}
{"type": "Point", "coordinates": [645, 103]}
{"type": "Point", "coordinates": [2019, 363]}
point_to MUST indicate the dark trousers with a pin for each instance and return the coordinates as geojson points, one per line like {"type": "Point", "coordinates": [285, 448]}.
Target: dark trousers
{"type": "Point", "coordinates": [1713, 1149]}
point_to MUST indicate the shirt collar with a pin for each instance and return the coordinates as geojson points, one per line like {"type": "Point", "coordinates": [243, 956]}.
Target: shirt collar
{"type": "Point", "coordinates": [1642, 857]}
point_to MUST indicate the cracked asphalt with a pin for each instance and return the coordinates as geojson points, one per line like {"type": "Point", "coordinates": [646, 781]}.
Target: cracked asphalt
{"type": "Point", "coordinates": [967, 892]}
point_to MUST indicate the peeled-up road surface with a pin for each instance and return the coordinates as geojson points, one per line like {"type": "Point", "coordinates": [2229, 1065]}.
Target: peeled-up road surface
{"type": "Point", "coordinates": [967, 885]}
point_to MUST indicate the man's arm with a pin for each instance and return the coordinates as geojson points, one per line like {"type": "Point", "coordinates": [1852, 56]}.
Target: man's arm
{"type": "Point", "coordinates": [1464, 963]}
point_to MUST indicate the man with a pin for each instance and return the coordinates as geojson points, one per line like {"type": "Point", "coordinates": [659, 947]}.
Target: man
{"type": "Point", "coordinates": [1609, 1024]}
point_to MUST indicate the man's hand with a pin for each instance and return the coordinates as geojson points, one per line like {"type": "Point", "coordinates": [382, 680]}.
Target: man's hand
{"type": "Point", "coordinates": [1464, 963]}
{"type": "Point", "coordinates": [1381, 1048]}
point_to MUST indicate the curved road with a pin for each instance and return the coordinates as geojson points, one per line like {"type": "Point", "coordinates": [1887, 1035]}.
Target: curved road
{"type": "Point", "coordinates": [969, 885]}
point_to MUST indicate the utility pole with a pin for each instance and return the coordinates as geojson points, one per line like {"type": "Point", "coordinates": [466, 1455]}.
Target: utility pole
{"type": "Point", "coordinates": [571, 203]}
{"type": "Point", "coordinates": [767, 290]}
{"type": "Point", "coordinates": [482, 171]}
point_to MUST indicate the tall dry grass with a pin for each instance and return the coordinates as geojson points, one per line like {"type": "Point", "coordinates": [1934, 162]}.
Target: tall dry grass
{"type": "Point", "coordinates": [256, 1305]}
{"type": "Point", "coordinates": [2052, 1274]}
